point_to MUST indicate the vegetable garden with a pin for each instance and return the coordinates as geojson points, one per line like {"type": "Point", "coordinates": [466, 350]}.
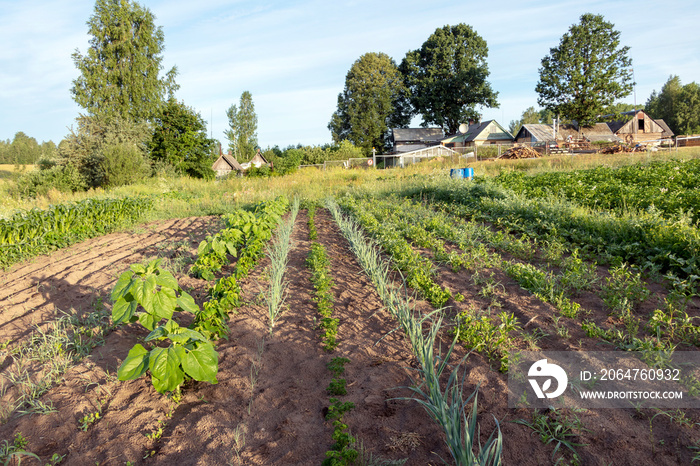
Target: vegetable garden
{"type": "Point", "coordinates": [376, 326]}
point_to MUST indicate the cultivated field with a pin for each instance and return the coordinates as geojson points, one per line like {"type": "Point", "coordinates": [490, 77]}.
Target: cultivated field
{"type": "Point", "coordinates": [329, 302]}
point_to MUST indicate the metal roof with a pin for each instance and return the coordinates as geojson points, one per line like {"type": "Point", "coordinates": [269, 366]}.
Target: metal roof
{"type": "Point", "coordinates": [416, 134]}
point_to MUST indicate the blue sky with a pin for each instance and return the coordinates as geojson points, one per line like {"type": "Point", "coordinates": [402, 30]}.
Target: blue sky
{"type": "Point", "coordinates": [293, 56]}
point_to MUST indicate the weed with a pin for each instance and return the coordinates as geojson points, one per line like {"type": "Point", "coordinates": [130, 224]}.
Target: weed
{"type": "Point", "coordinates": [15, 450]}
{"type": "Point", "coordinates": [557, 428]}
{"type": "Point", "coordinates": [86, 421]}
{"type": "Point", "coordinates": [623, 290]}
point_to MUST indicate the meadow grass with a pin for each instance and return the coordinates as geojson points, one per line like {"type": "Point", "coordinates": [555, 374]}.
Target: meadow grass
{"type": "Point", "coordinates": [186, 197]}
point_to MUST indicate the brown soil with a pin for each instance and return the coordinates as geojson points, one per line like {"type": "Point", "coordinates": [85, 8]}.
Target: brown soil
{"type": "Point", "coordinates": [282, 413]}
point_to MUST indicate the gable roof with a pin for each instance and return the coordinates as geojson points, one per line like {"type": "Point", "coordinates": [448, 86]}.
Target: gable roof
{"type": "Point", "coordinates": [258, 158]}
{"type": "Point", "coordinates": [667, 131]}
{"type": "Point", "coordinates": [539, 131]}
{"type": "Point", "coordinates": [226, 161]}
{"type": "Point", "coordinates": [477, 131]}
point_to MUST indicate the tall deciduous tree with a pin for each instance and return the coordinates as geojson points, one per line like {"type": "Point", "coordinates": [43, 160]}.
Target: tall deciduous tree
{"type": "Point", "coordinates": [242, 134]}
{"type": "Point", "coordinates": [120, 74]}
{"type": "Point", "coordinates": [586, 73]}
{"type": "Point", "coordinates": [678, 105]}
{"type": "Point", "coordinates": [180, 139]}
{"type": "Point", "coordinates": [374, 99]}
{"type": "Point", "coordinates": [447, 77]}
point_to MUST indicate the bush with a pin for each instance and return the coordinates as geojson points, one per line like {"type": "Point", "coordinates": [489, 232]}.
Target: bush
{"type": "Point", "coordinates": [64, 178]}
{"type": "Point", "coordinates": [123, 164]}
{"type": "Point", "coordinates": [261, 172]}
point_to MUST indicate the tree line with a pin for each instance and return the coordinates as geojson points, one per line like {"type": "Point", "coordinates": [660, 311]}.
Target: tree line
{"type": "Point", "coordinates": [445, 82]}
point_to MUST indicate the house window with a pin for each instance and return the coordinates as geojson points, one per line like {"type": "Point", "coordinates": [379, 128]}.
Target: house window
{"type": "Point", "coordinates": [640, 125]}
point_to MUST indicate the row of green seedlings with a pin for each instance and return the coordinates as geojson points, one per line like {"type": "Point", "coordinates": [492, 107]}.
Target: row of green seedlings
{"type": "Point", "coordinates": [279, 258]}
{"type": "Point", "coordinates": [620, 292]}
{"type": "Point", "coordinates": [319, 265]}
{"type": "Point", "coordinates": [644, 239]}
{"type": "Point", "coordinates": [35, 232]}
{"type": "Point", "coordinates": [342, 451]}
{"type": "Point", "coordinates": [417, 270]}
{"type": "Point", "coordinates": [448, 406]}
{"type": "Point", "coordinates": [151, 296]}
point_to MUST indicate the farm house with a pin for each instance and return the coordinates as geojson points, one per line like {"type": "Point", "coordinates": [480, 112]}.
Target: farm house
{"type": "Point", "coordinates": [477, 134]}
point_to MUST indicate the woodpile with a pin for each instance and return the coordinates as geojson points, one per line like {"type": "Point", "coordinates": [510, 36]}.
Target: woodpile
{"type": "Point", "coordinates": [617, 149]}
{"type": "Point", "coordinates": [523, 152]}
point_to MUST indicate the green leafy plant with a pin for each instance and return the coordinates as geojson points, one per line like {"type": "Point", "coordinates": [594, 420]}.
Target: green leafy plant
{"type": "Point", "coordinates": [16, 450]}
{"type": "Point", "coordinates": [557, 428]}
{"type": "Point", "coordinates": [150, 295]}
{"type": "Point", "coordinates": [86, 421]}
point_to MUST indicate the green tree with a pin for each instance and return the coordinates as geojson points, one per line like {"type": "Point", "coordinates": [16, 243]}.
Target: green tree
{"type": "Point", "coordinates": [96, 138]}
{"type": "Point", "coordinates": [242, 134]}
{"type": "Point", "coordinates": [678, 105]}
{"type": "Point", "coordinates": [688, 110]}
{"type": "Point", "coordinates": [180, 140]}
{"type": "Point", "coordinates": [447, 77]}
{"type": "Point", "coordinates": [586, 73]}
{"type": "Point", "coordinates": [120, 73]}
{"type": "Point", "coordinates": [529, 116]}
{"type": "Point", "coordinates": [374, 99]}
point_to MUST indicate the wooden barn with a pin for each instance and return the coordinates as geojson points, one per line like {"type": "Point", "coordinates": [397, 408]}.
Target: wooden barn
{"type": "Point", "coordinates": [639, 127]}
{"type": "Point", "coordinates": [225, 164]}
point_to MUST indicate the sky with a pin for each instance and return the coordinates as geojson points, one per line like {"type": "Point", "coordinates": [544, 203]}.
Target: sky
{"type": "Point", "coordinates": [293, 56]}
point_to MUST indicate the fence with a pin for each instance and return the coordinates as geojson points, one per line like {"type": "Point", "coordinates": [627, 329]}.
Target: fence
{"type": "Point", "coordinates": [349, 163]}
{"type": "Point", "coordinates": [688, 141]}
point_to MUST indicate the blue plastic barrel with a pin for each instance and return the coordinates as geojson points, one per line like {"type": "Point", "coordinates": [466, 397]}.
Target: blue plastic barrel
{"type": "Point", "coordinates": [468, 173]}
{"type": "Point", "coordinates": [456, 173]}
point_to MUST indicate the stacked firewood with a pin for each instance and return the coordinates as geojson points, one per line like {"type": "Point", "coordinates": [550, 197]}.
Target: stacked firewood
{"type": "Point", "coordinates": [523, 152]}
{"type": "Point", "coordinates": [617, 149]}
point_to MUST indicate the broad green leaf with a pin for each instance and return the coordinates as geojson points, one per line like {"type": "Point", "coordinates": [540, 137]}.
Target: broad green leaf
{"type": "Point", "coordinates": [136, 289]}
{"type": "Point", "coordinates": [202, 363]}
{"type": "Point", "coordinates": [138, 268]}
{"type": "Point", "coordinates": [164, 302]}
{"type": "Point", "coordinates": [123, 310]}
{"type": "Point", "coordinates": [153, 265]}
{"type": "Point", "coordinates": [147, 290]}
{"type": "Point", "coordinates": [166, 373]}
{"type": "Point", "coordinates": [203, 247]}
{"type": "Point", "coordinates": [186, 303]}
{"type": "Point", "coordinates": [122, 285]}
{"type": "Point", "coordinates": [186, 335]}
{"type": "Point", "coordinates": [166, 280]}
{"type": "Point", "coordinates": [159, 332]}
{"type": "Point", "coordinates": [219, 247]}
{"type": "Point", "coordinates": [148, 320]}
{"type": "Point", "coordinates": [135, 364]}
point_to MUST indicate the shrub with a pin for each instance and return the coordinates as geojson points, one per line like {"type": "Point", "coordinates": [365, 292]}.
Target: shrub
{"type": "Point", "coordinates": [122, 164]}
